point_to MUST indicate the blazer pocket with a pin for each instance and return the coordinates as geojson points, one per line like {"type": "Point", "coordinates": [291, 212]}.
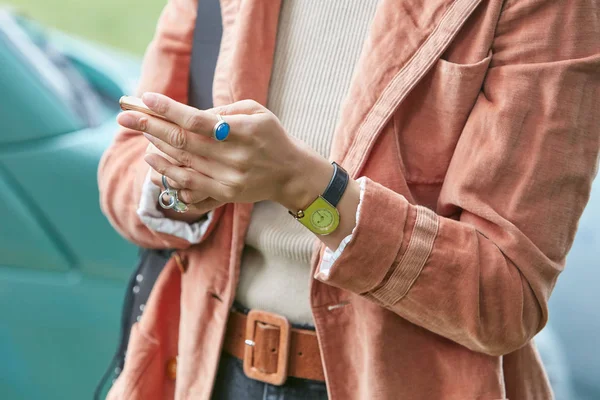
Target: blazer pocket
{"type": "Point", "coordinates": [460, 69]}
{"type": "Point", "coordinates": [141, 352]}
{"type": "Point", "coordinates": [431, 120]}
{"type": "Point", "coordinates": [460, 83]}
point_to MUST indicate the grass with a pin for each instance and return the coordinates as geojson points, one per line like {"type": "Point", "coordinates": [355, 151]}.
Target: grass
{"type": "Point", "coordinates": [125, 24]}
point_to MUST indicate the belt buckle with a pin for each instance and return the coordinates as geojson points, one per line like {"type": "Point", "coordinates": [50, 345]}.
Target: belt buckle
{"type": "Point", "coordinates": [280, 375]}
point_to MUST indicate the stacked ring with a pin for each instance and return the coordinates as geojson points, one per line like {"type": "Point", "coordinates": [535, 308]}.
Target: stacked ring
{"type": "Point", "coordinates": [174, 202]}
{"type": "Point", "coordinates": [221, 129]}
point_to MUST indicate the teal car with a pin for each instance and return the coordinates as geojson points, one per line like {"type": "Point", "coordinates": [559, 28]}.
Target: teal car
{"type": "Point", "coordinates": [63, 269]}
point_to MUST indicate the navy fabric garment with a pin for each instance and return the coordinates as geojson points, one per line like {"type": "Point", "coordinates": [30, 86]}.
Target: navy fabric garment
{"type": "Point", "coordinates": [232, 384]}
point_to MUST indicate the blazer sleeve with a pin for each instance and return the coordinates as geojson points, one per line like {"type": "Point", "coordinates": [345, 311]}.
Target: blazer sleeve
{"type": "Point", "coordinates": [122, 170]}
{"type": "Point", "coordinates": [480, 271]}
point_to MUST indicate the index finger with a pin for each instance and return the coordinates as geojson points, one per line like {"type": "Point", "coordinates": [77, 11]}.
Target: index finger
{"type": "Point", "coordinates": [187, 117]}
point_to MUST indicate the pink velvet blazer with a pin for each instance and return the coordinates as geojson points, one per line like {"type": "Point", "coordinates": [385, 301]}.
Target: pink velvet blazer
{"type": "Point", "coordinates": [477, 125]}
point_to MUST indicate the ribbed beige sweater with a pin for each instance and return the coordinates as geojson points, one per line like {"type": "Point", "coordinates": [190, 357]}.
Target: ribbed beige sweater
{"type": "Point", "coordinates": [318, 45]}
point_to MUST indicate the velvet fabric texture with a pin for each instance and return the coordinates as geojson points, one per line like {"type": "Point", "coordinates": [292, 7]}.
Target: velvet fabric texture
{"type": "Point", "coordinates": [477, 125]}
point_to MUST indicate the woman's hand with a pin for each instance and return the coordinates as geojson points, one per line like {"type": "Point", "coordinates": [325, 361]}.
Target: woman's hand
{"type": "Point", "coordinates": [197, 200]}
{"type": "Point", "coordinates": [258, 161]}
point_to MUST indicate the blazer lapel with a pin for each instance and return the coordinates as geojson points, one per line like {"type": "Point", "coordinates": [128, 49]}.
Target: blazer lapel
{"type": "Point", "coordinates": [252, 54]}
{"type": "Point", "coordinates": [406, 39]}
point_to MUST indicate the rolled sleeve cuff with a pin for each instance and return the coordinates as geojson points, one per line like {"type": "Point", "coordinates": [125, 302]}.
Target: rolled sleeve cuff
{"type": "Point", "coordinates": [330, 256]}
{"type": "Point", "coordinates": [154, 219]}
{"type": "Point", "coordinates": [362, 262]}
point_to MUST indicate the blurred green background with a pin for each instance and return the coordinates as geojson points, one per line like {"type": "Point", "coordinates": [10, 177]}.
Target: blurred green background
{"type": "Point", "coordinates": [125, 24]}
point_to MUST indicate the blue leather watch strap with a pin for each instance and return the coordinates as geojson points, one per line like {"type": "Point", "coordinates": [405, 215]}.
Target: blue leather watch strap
{"type": "Point", "coordinates": [337, 185]}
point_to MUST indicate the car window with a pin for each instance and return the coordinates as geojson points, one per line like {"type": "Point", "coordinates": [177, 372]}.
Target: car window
{"type": "Point", "coordinates": [42, 93]}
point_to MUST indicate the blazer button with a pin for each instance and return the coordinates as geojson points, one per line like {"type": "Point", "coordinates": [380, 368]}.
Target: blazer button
{"type": "Point", "coordinates": [172, 368]}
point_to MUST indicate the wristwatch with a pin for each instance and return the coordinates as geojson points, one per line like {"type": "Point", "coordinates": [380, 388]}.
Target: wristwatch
{"type": "Point", "coordinates": [321, 216]}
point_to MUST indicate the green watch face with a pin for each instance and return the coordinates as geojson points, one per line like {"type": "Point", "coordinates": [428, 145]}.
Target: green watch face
{"type": "Point", "coordinates": [322, 218]}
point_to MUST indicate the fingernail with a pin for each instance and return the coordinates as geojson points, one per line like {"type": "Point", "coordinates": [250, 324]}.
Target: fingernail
{"type": "Point", "coordinates": [149, 137]}
{"type": "Point", "coordinates": [127, 120]}
{"type": "Point", "coordinates": [149, 99]}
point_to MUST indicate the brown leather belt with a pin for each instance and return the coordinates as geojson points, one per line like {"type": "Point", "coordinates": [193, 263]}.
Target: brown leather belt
{"type": "Point", "coordinates": [270, 349]}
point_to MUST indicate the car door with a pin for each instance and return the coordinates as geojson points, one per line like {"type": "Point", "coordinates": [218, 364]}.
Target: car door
{"type": "Point", "coordinates": [63, 269]}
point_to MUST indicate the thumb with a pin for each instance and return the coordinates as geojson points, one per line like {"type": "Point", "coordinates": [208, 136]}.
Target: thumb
{"type": "Point", "coordinates": [205, 205]}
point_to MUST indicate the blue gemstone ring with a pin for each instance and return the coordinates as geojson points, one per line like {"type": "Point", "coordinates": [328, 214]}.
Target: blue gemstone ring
{"type": "Point", "coordinates": [221, 129]}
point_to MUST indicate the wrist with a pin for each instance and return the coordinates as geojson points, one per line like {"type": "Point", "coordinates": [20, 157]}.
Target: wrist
{"type": "Point", "coordinates": [307, 178]}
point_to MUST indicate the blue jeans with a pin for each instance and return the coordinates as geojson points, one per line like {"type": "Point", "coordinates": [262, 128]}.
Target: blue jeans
{"type": "Point", "coordinates": [232, 384]}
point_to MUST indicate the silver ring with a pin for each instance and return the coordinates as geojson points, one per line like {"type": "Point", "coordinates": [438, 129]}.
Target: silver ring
{"type": "Point", "coordinates": [179, 205]}
{"type": "Point", "coordinates": [221, 129]}
{"type": "Point", "coordinates": [172, 199]}
{"type": "Point", "coordinates": [174, 202]}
